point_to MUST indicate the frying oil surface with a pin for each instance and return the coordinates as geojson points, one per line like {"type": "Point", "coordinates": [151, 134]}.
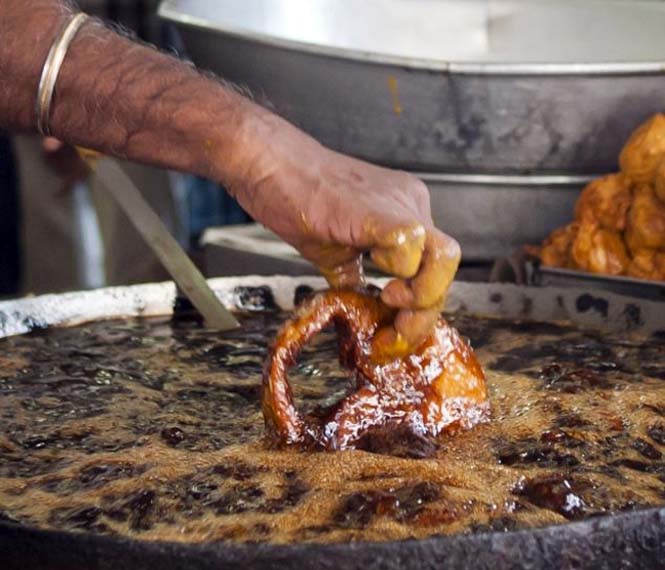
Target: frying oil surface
{"type": "Point", "coordinates": [153, 430]}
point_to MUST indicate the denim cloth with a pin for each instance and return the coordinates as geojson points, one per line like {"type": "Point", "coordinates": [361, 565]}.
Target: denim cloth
{"type": "Point", "coordinates": [9, 214]}
{"type": "Point", "coordinates": [209, 205]}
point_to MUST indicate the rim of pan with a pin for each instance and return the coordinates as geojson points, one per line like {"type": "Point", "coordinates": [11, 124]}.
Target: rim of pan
{"type": "Point", "coordinates": [168, 11]}
{"type": "Point", "coordinates": [251, 554]}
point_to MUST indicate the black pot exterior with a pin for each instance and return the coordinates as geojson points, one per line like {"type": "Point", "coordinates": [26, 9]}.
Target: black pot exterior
{"type": "Point", "coordinates": [629, 540]}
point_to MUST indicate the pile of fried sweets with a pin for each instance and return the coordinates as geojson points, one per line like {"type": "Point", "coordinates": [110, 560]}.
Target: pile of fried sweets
{"type": "Point", "coordinates": [619, 226]}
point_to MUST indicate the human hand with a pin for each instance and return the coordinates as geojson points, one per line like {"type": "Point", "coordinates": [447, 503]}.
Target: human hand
{"type": "Point", "coordinates": [332, 208]}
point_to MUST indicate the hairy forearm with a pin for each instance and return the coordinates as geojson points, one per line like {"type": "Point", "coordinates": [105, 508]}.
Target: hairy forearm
{"type": "Point", "coordinates": [126, 99]}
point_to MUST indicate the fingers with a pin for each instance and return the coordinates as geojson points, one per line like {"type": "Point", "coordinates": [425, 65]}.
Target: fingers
{"type": "Point", "coordinates": [348, 274]}
{"type": "Point", "coordinates": [427, 289]}
{"type": "Point", "coordinates": [408, 331]}
{"type": "Point", "coordinates": [399, 251]}
{"type": "Point", "coordinates": [51, 144]}
{"type": "Point", "coordinates": [340, 265]}
{"type": "Point", "coordinates": [421, 298]}
{"type": "Point", "coordinates": [387, 345]}
{"type": "Point", "coordinates": [414, 326]}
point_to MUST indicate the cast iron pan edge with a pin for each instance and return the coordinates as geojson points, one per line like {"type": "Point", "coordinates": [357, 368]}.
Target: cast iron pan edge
{"type": "Point", "coordinates": [627, 540]}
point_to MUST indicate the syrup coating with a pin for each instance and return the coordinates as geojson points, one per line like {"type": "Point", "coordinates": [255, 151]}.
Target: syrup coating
{"type": "Point", "coordinates": [440, 387]}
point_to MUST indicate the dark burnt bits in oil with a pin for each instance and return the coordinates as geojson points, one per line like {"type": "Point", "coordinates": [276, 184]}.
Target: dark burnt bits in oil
{"type": "Point", "coordinates": [293, 491]}
{"type": "Point", "coordinates": [219, 415]}
{"type": "Point", "coordinates": [585, 355]}
{"type": "Point", "coordinates": [572, 380]}
{"type": "Point", "coordinates": [645, 449]}
{"type": "Point", "coordinates": [570, 420]}
{"type": "Point", "coordinates": [96, 417]}
{"type": "Point", "coordinates": [140, 510]}
{"type": "Point", "coordinates": [224, 490]}
{"type": "Point", "coordinates": [556, 493]}
{"type": "Point", "coordinates": [479, 333]}
{"type": "Point", "coordinates": [543, 452]}
{"type": "Point", "coordinates": [239, 499]}
{"type": "Point", "coordinates": [657, 433]}
{"type": "Point", "coordinates": [400, 442]}
{"type": "Point", "coordinates": [562, 437]}
{"type": "Point", "coordinates": [173, 435]}
{"type": "Point", "coordinates": [633, 464]}
{"type": "Point", "coordinates": [79, 518]}
{"type": "Point", "coordinates": [236, 470]}
{"type": "Point", "coordinates": [509, 364]}
{"type": "Point", "coordinates": [244, 361]}
{"type": "Point", "coordinates": [402, 504]}
{"type": "Point", "coordinates": [94, 477]}
{"type": "Point", "coordinates": [99, 475]}
{"type": "Point", "coordinates": [482, 331]}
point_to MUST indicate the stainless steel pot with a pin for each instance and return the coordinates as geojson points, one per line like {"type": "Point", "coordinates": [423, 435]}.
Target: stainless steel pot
{"type": "Point", "coordinates": [476, 87]}
{"type": "Point", "coordinates": [491, 216]}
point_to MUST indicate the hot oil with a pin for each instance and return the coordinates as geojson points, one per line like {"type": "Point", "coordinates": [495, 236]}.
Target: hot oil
{"type": "Point", "coordinates": [152, 429]}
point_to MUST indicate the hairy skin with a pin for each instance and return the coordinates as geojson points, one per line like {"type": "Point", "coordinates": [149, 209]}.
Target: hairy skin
{"type": "Point", "coordinates": [125, 99]}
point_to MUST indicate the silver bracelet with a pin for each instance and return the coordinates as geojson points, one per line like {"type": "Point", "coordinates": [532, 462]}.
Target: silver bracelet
{"type": "Point", "coordinates": [51, 70]}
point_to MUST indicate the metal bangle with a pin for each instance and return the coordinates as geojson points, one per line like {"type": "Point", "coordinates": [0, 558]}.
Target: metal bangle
{"type": "Point", "coordinates": [51, 70]}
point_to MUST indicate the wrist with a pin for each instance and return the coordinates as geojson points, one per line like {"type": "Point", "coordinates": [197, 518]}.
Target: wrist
{"type": "Point", "coordinates": [244, 151]}
{"type": "Point", "coordinates": [22, 67]}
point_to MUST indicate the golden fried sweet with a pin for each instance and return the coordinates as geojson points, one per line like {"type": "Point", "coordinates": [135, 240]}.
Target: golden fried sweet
{"type": "Point", "coordinates": [619, 226]}
{"type": "Point", "coordinates": [644, 150]}
{"type": "Point", "coordinates": [648, 264]}
{"type": "Point", "coordinates": [556, 250]}
{"type": "Point", "coordinates": [599, 250]}
{"type": "Point", "coordinates": [659, 181]}
{"type": "Point", "coordinates": [646, 221]}
{"type": "Point", "coordinates": [439, 387]}
{"type": "Point", "coordinates": [606, 201]}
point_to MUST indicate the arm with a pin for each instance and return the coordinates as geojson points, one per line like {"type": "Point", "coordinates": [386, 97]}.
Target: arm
{"type": "Point", "coordinates": [114, 95]}
{"type": "Point", "coordinates": [129, 100]}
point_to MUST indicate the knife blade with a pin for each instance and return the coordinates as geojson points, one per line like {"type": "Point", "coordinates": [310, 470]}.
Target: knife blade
{"type": "Point", "coordinates": [163, 244]}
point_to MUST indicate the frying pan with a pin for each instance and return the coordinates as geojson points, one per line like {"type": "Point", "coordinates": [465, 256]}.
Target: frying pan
{"type": "Point", "coordinates": [627, 540]}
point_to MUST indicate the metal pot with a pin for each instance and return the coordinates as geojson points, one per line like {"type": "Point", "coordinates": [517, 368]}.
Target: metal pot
{"type": "Point", "coordinates": [492, 215]}
{"type": "Point", "coordinates": [477, 87]}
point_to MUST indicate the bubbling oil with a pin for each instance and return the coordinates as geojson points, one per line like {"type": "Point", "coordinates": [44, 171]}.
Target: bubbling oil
{"type": "Point", "coordinates": [152, 429]}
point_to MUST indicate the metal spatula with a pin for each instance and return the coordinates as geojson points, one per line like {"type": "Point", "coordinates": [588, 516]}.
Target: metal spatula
{"type": "Point", "coordinates": [166, 248]}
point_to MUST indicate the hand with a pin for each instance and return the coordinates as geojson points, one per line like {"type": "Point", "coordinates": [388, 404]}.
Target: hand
{"type": "Point", "coordinates": [332, 208]}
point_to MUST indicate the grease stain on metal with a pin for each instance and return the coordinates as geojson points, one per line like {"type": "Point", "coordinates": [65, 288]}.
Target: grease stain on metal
{"type": "Point", "coordinates": [588, 302]}
{"type": "Point", "coordinates": [394, 93]}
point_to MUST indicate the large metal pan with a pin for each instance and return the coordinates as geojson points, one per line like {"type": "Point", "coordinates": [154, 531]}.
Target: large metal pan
{"type": "Point", "coordinates": [481, 87]}
{"type": "Point", "coordinates": [629, 540]}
